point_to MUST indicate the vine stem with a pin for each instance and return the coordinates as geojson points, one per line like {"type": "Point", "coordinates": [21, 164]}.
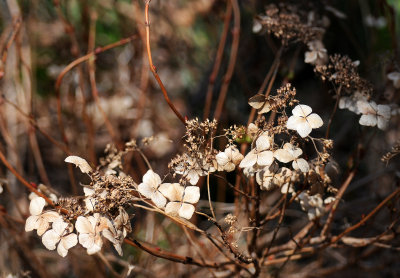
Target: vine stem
{"type": "Point", "coordinates": [153, 67]}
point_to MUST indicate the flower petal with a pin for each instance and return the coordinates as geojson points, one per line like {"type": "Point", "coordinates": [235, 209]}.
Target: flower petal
{"type": "Point", "coordinates": [158, 199]}
{"type": "Point", "coordinates": [302, 110]}
{"type": "Point", "coordinates": [301, 164]}
{"type": "Point", "coordinates": [192, 194]}
{"type": "Point", "coordinates": [265, 158]}
{"type": "Point", "coordinates": [36, 206]}
{"type": "Point", "coordinates": [303, 129]}
{"type": "Point", "coordinates": [186, 211]}
{"type": "Point", "coordinates": [83, 225]}
{"type": "Point", "coordinates": [172, 208]}
{"type": "Point", "coordinates": [283, 155]}
{"type": "Point", "coordinates": [315, 120]}
{"type": "Point", "coordinates": [152, 179]}
{"type": "Point", "coordinates": [368, 120]}
{"type": "Point", "coordinates": [146, 189]}
{"type": "Point", "coordinates": [249, 160]}
{"type": "Point", "coordinates": [50, 239]}
{"type": "Point", "coordinates": [79, 162]}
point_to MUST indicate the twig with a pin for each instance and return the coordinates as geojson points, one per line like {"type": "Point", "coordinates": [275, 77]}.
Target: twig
{"type": "Point", "coordinates": [153, 67]}
{"type": "Point", "coordinates": [218, 59]}
{"type": "Point", "coordinates": [232, 60]}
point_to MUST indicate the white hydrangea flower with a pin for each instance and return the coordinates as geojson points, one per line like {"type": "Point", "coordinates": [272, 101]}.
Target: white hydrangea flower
{"type": "Point", "coordinates": [259, 155]}
{"type": "Point", "coordinates": [317, 54]}
{"type": "Point", "coordinates": [150, 188]}
{"type": "Point", "coordinates": [377, 22]}
{"type": "Point", "coordinates": [291, 153]}
{"type": "Point", "coordinates": [181, 200]}
{"type": "Point", "coordinates": [313, 205]}
{"type": "Point", "coordinates": [192, 170]}
{"type": "Point", "coordinates": [113, 235]}
{"type": "Point", "coordinates": [395, 77]}
{"type": "Point", "coordinates": [303, 121]}
{"type": "Point", "coordinates": [373, 114]}
{"type": "Point", "coordinates": [252, 130]}
{"type": "Point", "coordinates": [90, 229]}
{"type": "Point", "coordinates": [60, 234]}
{"type": "Point", "coordinates": [350, 103]}
{"type": "Point", "coordinates": [273, 176]}
{"type": "Point", "coordinates": [39, 221]}
{"type": "Point", "coordinates": [229, 158]}
{"type": "Point", "coordinates": [79, 162]}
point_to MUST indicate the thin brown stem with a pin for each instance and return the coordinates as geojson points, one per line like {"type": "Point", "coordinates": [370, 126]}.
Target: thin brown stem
{"type": "Point", "coordinates": [153, 67]}
{"type": "Point", "coordinates": [218, 59]}
{"type": "Point", "coordinates": [232, 60]}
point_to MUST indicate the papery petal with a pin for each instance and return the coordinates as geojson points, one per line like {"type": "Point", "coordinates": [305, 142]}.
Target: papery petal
{"type": "Point", "coordinates": [302, 110]}
{"type": "Point", "coordinates": [31, 223]}
{"type": "Point", "coordinates": [229, 167]}
{"type": "Point", "coordinates": [42, 227]}
{"type": "Point", "coordinates": [152, 179]}
{"type": "Point", "coordinates": [79, 162]}
{"type": "Point", "coordinates": [249, 160]}
{"type": "Point", "coordinates": [368, 120]}
{"type": "Point", "coordinates": [293, 122]}
{"type": "Point", "coordinates": [384, 111]}
{"type": "Point", "coordinates": [303, 129]}
{"type": "Point", "coordinates": [263, 142]}
{"type": "Point", "coordinates": [265, 158]}
{"type": "Point", "coordinates": [94, 249]}
{"type": "Point", "coordinates": [257, 101]}
{"type": "Point", "coordinates": [266, 108]}
{"type": "Point", "coordinates": [59, 226]}
{"type": "Point", "coordinates": [283, 155]}
{"type": "Point", "coordinates": [382, 123]}
{"type": "Point", "coordinates": [88, 191]}
{"type": "Point", "coordinates": [315, 120]}
{"type": "Point", "coordinates": [36, 206]}
{"type": "Point", "coordinates": [83, 225]}
{"type": "Point", "coordinates": [222, 158]}
{"type": "Point", "coordinates": [310, 57]}
{"type": "Point", "coordinates": [172, 208]}
{"type": "Point", "coordinates": [69, 241]}
{"type": "Point", "coordinates": [236, 157]}
{"type": "Point", "coordinates": [146, 190]}
{"type": "Point", "coordinates": [301, 164]}
{"type": "Point", "coordinates": [86, 240]}
{"type": "Point", "coordinates": [50, 239]}
{"type": "Point", "coordinates": [173, 192]}
{"type": "Point", "coordinates": [193, 177]}
{"type": "Point", "coordinates": [192, 194]}
{"type": "Point", "coordinates": [158, 199]}
{"type": "Point", "coordinates": [186, 211]}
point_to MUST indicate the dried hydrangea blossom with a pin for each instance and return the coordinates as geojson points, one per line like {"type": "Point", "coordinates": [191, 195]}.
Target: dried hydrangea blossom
{"type": "Point", "coordinates": [373, 114]}
{"type": "Point", "coordinates": [90, 229]}
{"type": "Point", "coordinates": [113, 235]}
{"type": "Point", "coordinates": [190, 169]}
{"type": "Point", "coordinates": [261, 103]}
{"type": "Point", "coordinates": [317, 54]}
{"type": "Point", "coordinates": [79, 162]}
{"type": "Point", "coordinates": [228, 159]}
{"type": "Point", "coordinates": [61, 234]}
{"type": "Point", "coordinates": [151, 188]}
{"type": "Point", "coordinates": [350, 102]}
{"type": "Point", "coordinates": [303, 121]}
{"type": "Point", "coordinates": [313, 205]}
{"type": "Point", "coordinates": [39, 220]}
{"type": "Point", "coordinates": [395, 77]}
{"type": "Point", "coordinates": [266, 177]}
{"type": "Point", "coordinates": [260, 155]}
{"type": "Point", "coordinates": [181, 200]}
{"type": "Point", "coordinates": [291, 153]}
